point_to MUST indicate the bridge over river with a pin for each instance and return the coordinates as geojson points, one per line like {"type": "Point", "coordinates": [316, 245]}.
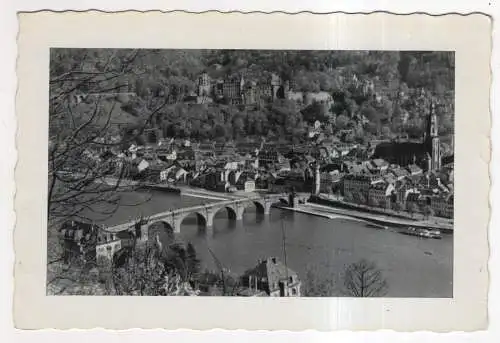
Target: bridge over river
{"type": "Point", "coordinates": [205, 213]}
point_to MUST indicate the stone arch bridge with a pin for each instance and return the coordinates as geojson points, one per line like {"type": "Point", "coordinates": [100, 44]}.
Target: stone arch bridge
{"type": "Point", "coordinates": [205, 213]}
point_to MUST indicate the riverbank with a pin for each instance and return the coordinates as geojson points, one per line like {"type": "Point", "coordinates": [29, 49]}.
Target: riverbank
{"type": "Point", "coordinates": [184, 190]}
{"type": "Point", "coordinates": [378, 219]}
{"type": "Point", "coordinates": [164, 188]}
{"type": "Point", "coordinates": [330, 201]}
{"type": "Point", "coordinates": [305, 210]}
{"type": "Point", "coordinates": [188, 191]}
{"type": "Point", "coordinates": [320, 243]}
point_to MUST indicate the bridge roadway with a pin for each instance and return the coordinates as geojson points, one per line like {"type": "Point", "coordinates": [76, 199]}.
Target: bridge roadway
{"type": "Point", "coordinates": [205, 214]}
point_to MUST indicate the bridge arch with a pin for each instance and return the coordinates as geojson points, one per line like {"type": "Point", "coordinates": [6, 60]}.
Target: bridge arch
{"type": "Point", "coordinates": [232, 212]}
{"type": "Point", "coordinates": [171, 221]}
{"type": "Point", "coordinates": [202, 218]}
{"type": "Point", "coordinates": [284, 200]}
{"type": "Point", "coordinates": [261, 206]}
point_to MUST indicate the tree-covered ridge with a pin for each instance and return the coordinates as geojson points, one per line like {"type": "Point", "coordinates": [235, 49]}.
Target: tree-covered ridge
{"type": "Point", "coordinates": [379, 93]}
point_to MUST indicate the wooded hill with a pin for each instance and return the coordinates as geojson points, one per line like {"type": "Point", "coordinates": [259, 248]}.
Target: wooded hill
{"type": "Point", "coordinates": [161, 78]}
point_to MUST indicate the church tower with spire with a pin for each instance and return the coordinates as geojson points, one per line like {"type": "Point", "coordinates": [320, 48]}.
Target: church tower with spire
{"type": "Point", "coordinates": [431, 139]}
{"type": "Point", "coordinates": [317, 179]}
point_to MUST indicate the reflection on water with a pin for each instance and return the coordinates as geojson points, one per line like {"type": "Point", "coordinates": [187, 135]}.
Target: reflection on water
{"type": "Point", "coordinates": [414, 267]}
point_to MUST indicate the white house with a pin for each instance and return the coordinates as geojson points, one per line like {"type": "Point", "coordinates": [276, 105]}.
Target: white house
{"type": "Point", "coordinates": [250, 186]}
{"type": "Point", "coordinates": [133, 148]}
{"type": "Point", "coordinates": [231, 166]}
{"type": "Point", "coordinates": [143, 165]}
{"type": "Point", "coordinates": [181, 173]}
{"type": "Point", "coordinates": [321, 97]}
{"type": "Point", "coordinates": [298, 97]}
{"type": "Point", "coordinates": [163, 175]}
{"type": "Point", "coordinates": [172, 156]}
{"type": "Point", "coordinates": [107, 245]}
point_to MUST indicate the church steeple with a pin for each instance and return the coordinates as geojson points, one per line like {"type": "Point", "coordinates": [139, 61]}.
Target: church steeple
{"type": "Point", "coordinates": [431, 129]}
{"type": "Point", "coordinates": [431, 140]}
{"type": "Point", "coordinates": [317, 179]}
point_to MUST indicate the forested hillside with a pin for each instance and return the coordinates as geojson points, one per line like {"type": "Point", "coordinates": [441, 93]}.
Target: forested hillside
{"type": "Point", "coordinates": [375, 93]}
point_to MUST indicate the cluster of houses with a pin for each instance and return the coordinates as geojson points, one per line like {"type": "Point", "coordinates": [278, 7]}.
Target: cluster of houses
{"type": "Point", "coordinates": [413, 176]}
{"type": "Point", "coordinates": [223, 166]}
{"type": "Point", "coordinates": [349, 170]}
{"type": "Point", "coordinates": [377, 183]}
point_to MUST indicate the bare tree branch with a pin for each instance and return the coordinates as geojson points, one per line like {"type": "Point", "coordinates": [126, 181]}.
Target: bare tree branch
{"type": "Point", "coordinates": [80, 186]}
{"type": "Point", "coordinates": [364, 279]}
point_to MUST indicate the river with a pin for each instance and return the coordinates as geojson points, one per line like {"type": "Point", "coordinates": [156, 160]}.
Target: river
{"type": "Point", "coordinates": [413, 267]}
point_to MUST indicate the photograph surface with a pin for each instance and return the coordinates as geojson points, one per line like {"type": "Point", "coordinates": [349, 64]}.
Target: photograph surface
{"type": "Point", "coordinates": [266, 173]}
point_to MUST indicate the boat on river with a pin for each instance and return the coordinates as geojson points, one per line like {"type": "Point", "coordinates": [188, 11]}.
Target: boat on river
{"type": "Point", "coordinates": [435, 233]}
{"type": "Point", "coordinates": [422, 232]}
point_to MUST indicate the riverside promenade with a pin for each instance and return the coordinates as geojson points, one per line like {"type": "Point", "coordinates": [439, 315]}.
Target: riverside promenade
{"type": "Point", "coordinates": [182, 190]}
{"type": "Point", "coordinates": [371, 218]}
{"type": "Point", "coordinates": [381, 219]}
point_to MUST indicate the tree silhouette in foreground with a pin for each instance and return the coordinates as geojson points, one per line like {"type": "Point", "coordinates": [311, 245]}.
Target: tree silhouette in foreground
{"type": "Point", "coordinates": [150, 269]}
{"type": "Point", "coordinates": [83, 184]}
{"type": "Point", "coordinates": [364, 279]}
{"type": "Point", "coordinates": [316, 286]}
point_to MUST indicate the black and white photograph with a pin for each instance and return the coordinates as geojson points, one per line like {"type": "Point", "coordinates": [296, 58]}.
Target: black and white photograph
{"type": "Point", "coordinates": [250, 173]}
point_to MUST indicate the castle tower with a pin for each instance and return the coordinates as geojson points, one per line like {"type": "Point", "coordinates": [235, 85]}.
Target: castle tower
{"type": "Point", "coordinates": [275, 86]}
{"type": "Point", "coordinates": [204, 85]}
{"type": "Point", "coordinates": [286, 89]}
{"type": "Point", "coordinates": [431, 141]}
{"type": "Point", "coordinates": [242, 84]}
{"type": "Point", "coordinates": [250, 96]}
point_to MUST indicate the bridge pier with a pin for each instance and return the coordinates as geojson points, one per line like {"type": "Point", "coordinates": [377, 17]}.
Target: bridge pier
{"type": "Point", "coordinates": [209, 232]}
{"type": "Point", "coordinates": [205, 214]}
{"type": "Point", "coordinates": [267, 208]}
{"type": "Point", "coordinates": [144, 233]}
{"type": "Point", "coordinates": [239, 212]}
{"type": "Point", "coordinates": [238, 225]}
{"type": "Point", "coordinates": [177, 226]}
{"type": "Point", "coordinates": [210, 219]}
